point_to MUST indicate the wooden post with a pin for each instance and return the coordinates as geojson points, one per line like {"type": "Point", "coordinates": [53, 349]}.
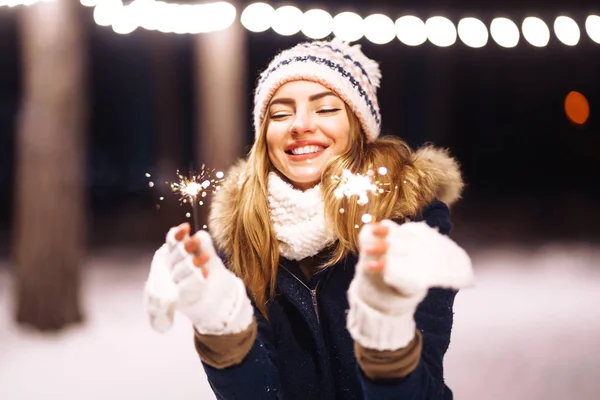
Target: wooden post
{"type": "Point", "coordinates": [49, 221]}
{"type": "Point", "coordinates": [221, 99]}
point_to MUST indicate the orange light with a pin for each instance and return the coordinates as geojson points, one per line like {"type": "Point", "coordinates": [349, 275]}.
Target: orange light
{"type": "Point", "coordinates": [577, 108]}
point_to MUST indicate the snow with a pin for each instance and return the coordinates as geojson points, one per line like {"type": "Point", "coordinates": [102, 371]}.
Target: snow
{"type": "Point", "coordinates": [529, 329]}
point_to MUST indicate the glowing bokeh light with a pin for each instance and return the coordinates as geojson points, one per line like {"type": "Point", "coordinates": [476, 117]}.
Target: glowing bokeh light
{"type": "Point", "coordinates": [317, 24]}
{"type": "Point", "coordinates": [379, 29]}
{"type": "Point", "coordinates": [287, 20]}
{"type": "Point", "coordinates": [348, 26]}
{"type": "Point", "coordinates": [440, 31]}
{"type": "Point", "coordinates": [505, 32]}
{"type": "Point", "coordinates": [257, 17]}
{"type": "Point", "coordinates": [535, 31]}
{"type": "Point", "coordinates": [411, 30]}
{"type": "Point", "coordinates": [473, 32]}
{"type": "Point", "coordinates": [592, 27]}
{"type": "Point", "coordinates": [567, 30]}
{"type": "Point", "coordinates": [577, 108]}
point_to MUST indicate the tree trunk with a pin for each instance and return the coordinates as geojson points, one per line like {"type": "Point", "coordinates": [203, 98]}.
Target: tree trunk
{"type": "Point", "coordinates": [49, 220]}
{"type": "Point", "coordinates": [221, 93]}
{"type": "Point", "coordinates": [220, 65]}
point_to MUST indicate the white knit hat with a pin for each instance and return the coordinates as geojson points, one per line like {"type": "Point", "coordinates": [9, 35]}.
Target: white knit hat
{"type": "Point", "coordinates": [341, 68]}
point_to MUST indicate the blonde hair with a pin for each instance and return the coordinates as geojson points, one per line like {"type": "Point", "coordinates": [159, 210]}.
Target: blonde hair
{"type": "Point", "coordinates": [254, 255]}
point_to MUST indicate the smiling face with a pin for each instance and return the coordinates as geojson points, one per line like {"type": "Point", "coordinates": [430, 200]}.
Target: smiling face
{"type": "Point", "coordinates": [307, 126]}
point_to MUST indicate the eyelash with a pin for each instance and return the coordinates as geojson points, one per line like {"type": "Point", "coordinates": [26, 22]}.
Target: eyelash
{"type": "Point", "coordinates": [324, 111]}
{"type": "Point", "coordinates": [328, 110]}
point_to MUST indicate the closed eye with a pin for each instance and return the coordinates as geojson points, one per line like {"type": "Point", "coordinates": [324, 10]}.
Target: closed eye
{"type": "Point", "coordinates": [279, 116]}
{"type": "Point", "coordinates": [328, 110]}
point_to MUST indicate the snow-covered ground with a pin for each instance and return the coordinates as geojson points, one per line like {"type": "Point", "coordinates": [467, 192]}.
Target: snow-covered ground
{"type": "Point", "coordinates": [530, 329]}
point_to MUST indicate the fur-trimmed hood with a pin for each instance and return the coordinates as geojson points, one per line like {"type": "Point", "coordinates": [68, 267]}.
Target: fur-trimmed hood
{"type": "Point", "coordinates": [436, 175]}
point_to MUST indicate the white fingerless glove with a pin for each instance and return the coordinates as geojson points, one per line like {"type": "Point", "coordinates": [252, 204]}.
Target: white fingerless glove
{"type": "Point", "coordinates": [160, 292]}
{"type": "Point", "coordinates": [382, 304]}
{"type": "Point", "coordinates": [216, 304]}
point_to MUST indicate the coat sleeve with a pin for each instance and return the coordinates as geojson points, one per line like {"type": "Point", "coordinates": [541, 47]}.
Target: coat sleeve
{"type": "Point", "coordinates": [256, 376]}
{"type": "Point", "coordinates": [434, 318]}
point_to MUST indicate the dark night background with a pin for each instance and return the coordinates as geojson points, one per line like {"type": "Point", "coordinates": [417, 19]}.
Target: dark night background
{"type": "Point", "coordinates": [529, 218]}
{"type": "Point", "coordinates": [500, 111]}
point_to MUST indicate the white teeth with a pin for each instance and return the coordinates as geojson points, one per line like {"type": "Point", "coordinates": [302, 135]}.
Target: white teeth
{"type": "Point", "coordinates": [306, 150]}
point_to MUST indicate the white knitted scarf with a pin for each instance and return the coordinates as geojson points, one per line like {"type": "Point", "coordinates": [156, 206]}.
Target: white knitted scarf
{"type": "Point", "coordinates": [298, 218]}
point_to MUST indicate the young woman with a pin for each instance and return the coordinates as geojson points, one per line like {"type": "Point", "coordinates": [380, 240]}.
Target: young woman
{"type": "Point", "coordinates": [298, 298]}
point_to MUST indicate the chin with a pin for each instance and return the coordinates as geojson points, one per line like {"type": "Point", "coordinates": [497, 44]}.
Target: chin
{"type": "Point", "coordinates": [305, 180]}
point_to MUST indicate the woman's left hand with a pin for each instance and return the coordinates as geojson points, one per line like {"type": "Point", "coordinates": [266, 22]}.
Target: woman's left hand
{"type": "Point", "coordinates": [397, 265]}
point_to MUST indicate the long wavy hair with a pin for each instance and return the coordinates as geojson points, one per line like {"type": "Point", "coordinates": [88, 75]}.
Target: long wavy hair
{"type": "Point", "coordinates": [254, 255]}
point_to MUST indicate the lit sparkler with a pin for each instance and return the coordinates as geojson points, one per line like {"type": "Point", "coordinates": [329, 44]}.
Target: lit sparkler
{"type": "Point", "coordinates": [361, 186]}
{"type": "Point", "coordinates": [355, 185]}
{"type": "Point", "coordinates": [192, 189]}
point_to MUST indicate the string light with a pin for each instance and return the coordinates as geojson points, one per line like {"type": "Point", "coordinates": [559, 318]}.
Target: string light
{"type": "Point", "coordinates": [440, 31]}
{"type": "Point", "coordinates": [379, 29]}
{"type": "Point", "coordinates": [169, 17]}
{"type": "Point", "coordinates": [592, 27]}
{"type": "Point", "coordinates": [411, 31]}
{"type": "Point", "coordinates": [505, 32]}
{"type": "Point", "coordinates": [257, 17]}
{"type": "Point", "coordinates": [287, 20]}
{"type": "Point", "coordinates": [15, 3]}
{"type": "Point", "coordinates": [567, 30]}
{"type": "Point", "coordinates": [535, 31]}
{"type": "Point", "coordinates": [317, 24]}
{"type": "Point", "coordinates": [348, 26]}
{"type": "Point", "coordinates": [473, 32]}
{"type": "Point", "coordinates": [162, 16]}
{"type": "Point", "coordinates": [106, 11]}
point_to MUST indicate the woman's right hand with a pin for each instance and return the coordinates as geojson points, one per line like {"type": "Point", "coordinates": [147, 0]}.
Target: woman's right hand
{"type": "Point", "coordinates": [210, 295]}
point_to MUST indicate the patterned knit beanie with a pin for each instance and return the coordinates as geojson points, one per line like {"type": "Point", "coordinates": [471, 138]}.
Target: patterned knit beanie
{"type": "Point", "coordinates": [341, 68]}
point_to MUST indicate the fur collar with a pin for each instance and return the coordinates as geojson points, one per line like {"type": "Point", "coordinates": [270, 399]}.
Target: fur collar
{"type": "Point", "coordinates": [436, 176]}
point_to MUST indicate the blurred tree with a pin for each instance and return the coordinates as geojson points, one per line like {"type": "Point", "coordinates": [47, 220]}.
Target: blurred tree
{"type": "Point", "coordinates": [49, 222]}
{"type": "Point", "coordinates": [220, 82]}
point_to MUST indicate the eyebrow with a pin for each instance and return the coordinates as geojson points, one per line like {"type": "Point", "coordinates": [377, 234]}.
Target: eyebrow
{"type": "Point", "coordinates": [314, 97]}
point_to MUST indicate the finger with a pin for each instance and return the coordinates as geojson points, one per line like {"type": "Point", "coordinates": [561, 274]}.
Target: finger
{"type": "Point", "coordinates": [192, 245]}
{"type": "Point", "coordinates": [201, 259]}
{"type": "Point", "coordinates": [177, 233]}
{"type": "Point", "coordinates": [378, 248]}
{"type": "Point", "coordinates": [207, 247]}
{"type": "Point", "coordinates": [380, 230]}
{"type": "Point", "coordinates": [375, 265]}
{"type": "Point", "coordinates": [182, 231]}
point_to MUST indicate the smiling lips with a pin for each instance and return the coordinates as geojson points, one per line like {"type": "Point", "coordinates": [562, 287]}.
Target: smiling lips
{"type": "Point", "coordinates": [299, 151]}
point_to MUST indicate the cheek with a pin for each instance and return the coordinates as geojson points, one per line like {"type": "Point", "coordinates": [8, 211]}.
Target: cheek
{"type": "Point", "coordinates": [341, 136]}
{"type": "Point", "coordinates": [271, 139]}
{"type": "Point", "coordinates": [274, 142]}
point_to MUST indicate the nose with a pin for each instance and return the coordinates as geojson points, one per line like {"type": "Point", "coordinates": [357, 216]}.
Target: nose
{"type": "Point", "coordinates": [303, 123]}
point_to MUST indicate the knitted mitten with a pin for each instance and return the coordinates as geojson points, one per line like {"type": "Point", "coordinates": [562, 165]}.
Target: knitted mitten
{"type": "Point", "coordinates": [211, 297]}
{"type": "Point", "coordinates": [382, 304]}
{"type": "Point", "coordinates": [160, 292]}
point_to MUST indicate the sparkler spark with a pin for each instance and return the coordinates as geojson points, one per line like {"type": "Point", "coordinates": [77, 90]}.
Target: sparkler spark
{"type": "Point", "coordinates": [355, 185]}
{"type": "Point", "coordinates": [195, 186]}
{"type": "Point", "coordinates": [361, 186]}
{"type": "Point", "coordinates": [192, 188]}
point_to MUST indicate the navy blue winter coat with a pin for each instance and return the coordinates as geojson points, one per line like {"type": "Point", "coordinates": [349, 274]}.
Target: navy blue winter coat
{"type": "Point", "coordinates": [302, 355]}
